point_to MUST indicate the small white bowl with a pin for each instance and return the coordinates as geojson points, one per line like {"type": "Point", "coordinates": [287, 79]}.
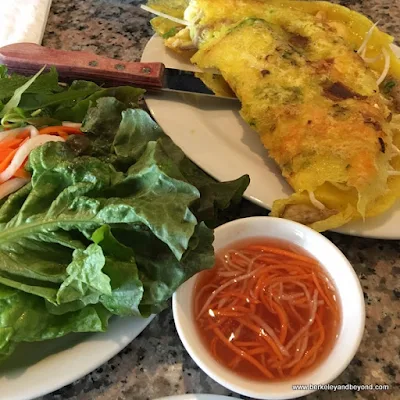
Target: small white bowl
{"type": "Point", "coordinates": [349, 292]}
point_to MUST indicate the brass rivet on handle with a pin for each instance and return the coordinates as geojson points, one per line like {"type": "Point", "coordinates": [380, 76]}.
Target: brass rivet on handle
{"type": "Point", "coordinates": [119, 67]}
{"type": "Point", "coordinates": [146, 70]}
{"type": "Point", "coordinates": [93, 63]}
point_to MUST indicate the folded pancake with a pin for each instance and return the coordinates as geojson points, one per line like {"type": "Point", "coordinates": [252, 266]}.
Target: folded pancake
{"type": "Point", "coordinates": [320, 109]}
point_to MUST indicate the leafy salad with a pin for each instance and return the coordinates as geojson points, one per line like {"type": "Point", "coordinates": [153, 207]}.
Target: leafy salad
{"type": "Point", "coordinates": [101, 214]}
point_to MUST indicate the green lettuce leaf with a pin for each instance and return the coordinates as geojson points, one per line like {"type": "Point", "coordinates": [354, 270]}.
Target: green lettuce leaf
{"type": "Point", "coordinates": [45, 83]}
{"type": "Point", "coordinates": [4, 74]}
{"type": "Point", "coordinates": [77, 112]}
{"type": "Point", "coordinates": [113, 229]}
{"type": "Point", "coordinates": [218, 200]}
{"type": "Point", "coordinates": [85, 278]}
{"type": "Point", "coordinates": [16, 97]}
{"type": "Point", "coordinates": [120, 266]}
{"type": "Point", "coordinates": [72, 197]}
{"type": "Point", "coordinates": [41, 100]}
{"type": "Point", "coordinates": [101, 124]}
{"type": "Point", "coordinates": [135, 131]}
{"type": "Point", "coordinates": [24, 318]}
{"type": "Point", "coordinates": [163, 274]}
{"type": "Point", "coordinates": [32, 102]}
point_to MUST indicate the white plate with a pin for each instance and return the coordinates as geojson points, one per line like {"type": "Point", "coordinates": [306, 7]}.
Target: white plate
{"type": "Point", "coordinates": [196, 397]}
{"type": "Point", "coordinates": [212, 134]}
{"type": "Point", "coordinates": [36, 369]}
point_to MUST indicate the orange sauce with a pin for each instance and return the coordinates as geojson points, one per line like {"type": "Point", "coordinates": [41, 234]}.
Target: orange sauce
{"type": "Point", "coordinates": [266, 310]}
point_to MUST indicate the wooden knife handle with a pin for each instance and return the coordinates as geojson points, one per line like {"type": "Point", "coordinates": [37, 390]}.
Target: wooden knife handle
{"type": "Point", "coordinates": [28, 58]}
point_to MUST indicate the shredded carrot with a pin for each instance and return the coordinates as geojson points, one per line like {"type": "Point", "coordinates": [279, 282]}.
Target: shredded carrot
{"type": "Point", "coordinates": [301, 300]}
{"type": "Point", "coordinates": [243, 354]}
{"type": "Point", "coordinates": [263, 359]}
{"type": "Point", "coordinates": [229, 314]}
{"type": "Point", "coordinates": [216, 324]}
{"type": "Point", "coordinates": [4, 164]}
{"type": "Point", "coordinates": [313, 350]}
{"type": "Point", "coordinates": [214, 347]}
{"type": "Point", "coordinates": [242, 309]}
{"type": "Point", "coordinates": [247, 344]}
{"type": "Point", "coordinates": [323, 294]}
{"type": "Point", "coordinates": [265, 337]}
{"type": "Point", "coordinates": [63, 134]}
{"type": "Point", "coordinates": [14, 141]}
{"type": "Point", "coordinates": [248, 299]}
{"type": "Point", "coordinates": [57, 129]}
{"type": "Point", "coordinates": [290, 254]}
{"type": "Point", "coordinates": [21, 173]}
{"type": "Point", "coordinates": [267, 302]}
{"type": "Point", "coordinates": [283, 318]}
{"type": "Point", "coordinates": [267, 306]}
{"type": "Point", "coordinates": [10, 144]}
{"type": "Point", "coordinates": [7, 155]}
{"type": "Point", "coordinates": [253, 308]}
{"type": "Point", "coordinates": [235, 362]}
{"type": "Point", "coordinates": [4, 153]}
{"type": "Point", "coordinates": [259, 350]}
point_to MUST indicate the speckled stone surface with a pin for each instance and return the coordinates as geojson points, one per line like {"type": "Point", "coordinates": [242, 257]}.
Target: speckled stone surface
{"type": "Point", "coordinates": [156, 364]}
{"type": "Point", "coordinates": [120, 29]}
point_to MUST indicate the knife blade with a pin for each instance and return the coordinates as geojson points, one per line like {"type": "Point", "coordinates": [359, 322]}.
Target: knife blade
{"type": "Point", "coordinates": [28, 58]}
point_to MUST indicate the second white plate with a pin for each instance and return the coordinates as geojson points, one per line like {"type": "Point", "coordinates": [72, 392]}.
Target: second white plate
{"type": "Point", "coordinates": [196, 397]}
{"type": "Point", "coordinates": [213, 135]}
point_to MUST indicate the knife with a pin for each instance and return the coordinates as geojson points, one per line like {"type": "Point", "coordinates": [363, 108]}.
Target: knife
{"type": "Point", "coordinates": [29, 58]}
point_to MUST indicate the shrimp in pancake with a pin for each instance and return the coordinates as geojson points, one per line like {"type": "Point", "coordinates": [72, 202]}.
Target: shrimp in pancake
{"type": "Point", "coordinates": [315, 103]}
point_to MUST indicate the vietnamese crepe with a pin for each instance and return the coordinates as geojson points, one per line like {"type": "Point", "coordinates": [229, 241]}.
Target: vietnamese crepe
{"type": "Point", "coordinates": [316, 91]}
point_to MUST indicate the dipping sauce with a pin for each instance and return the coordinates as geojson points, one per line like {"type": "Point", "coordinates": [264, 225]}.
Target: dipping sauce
{"type": "Point", "coordinates": [266, 310]}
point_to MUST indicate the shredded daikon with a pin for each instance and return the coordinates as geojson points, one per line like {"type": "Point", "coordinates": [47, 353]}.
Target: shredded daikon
{"type": "Point", "coordinates": [363, 52]}
{"type": "Point", "coordinates": [10, 133]}
{"type": "Point", "coordinates": [34, 132]}
{"type": "Point", "coordinates": [395, 149]}
{"type": "Point", "coordinates": [316, 203]}
{"type": "Point", "coordinates": [366, 39]}
{"type": "Point", "coordinates": [313, 311]}
{"type": "Point", "coordinates": [23, 152]}
{"type": "Point", "coordinates": [161, 14]}
{"type": "Point", "coordinates": [370, 60]}
{"type": "Point", "coordinates": [12, 186]}
{"type": "Point", "coordinates": [385, 68]}
{"type": "Point", "coordinates": [267, 330]}
{"type": "Point", "coordinates": [72, 124]}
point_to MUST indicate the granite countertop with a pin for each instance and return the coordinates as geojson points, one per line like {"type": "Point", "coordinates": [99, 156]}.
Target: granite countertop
{"type": "Point", "coordinates": [156, 364]}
